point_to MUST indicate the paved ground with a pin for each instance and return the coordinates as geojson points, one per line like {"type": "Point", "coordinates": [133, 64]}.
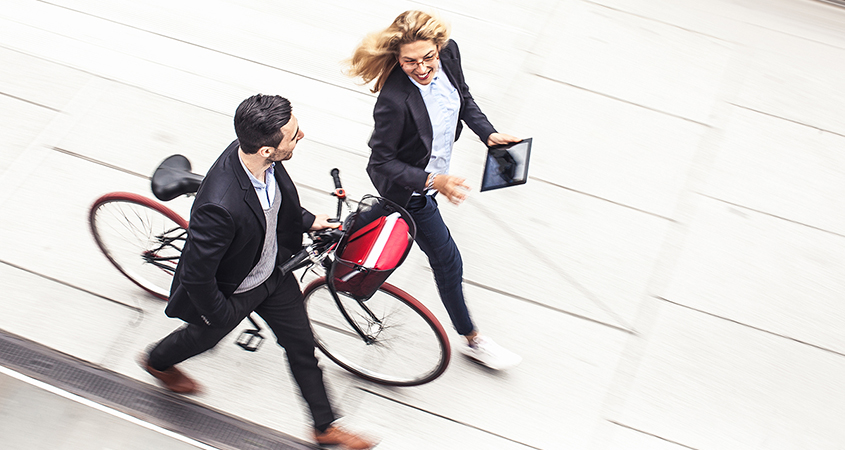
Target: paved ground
{"type": "Point", "coordinates": [25, 407]}
{"type": "Point", "coordinates": [671, 273]}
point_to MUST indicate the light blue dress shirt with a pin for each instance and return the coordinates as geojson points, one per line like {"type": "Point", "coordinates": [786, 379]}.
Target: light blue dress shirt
{"type": "Point", "coordinates": [443, 103]}
{"type": "Point", "coordinates": [266, 191]}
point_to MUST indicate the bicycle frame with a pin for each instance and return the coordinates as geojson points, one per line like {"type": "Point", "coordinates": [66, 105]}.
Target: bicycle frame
{"type": "Point", "coordinates": [366, 337]}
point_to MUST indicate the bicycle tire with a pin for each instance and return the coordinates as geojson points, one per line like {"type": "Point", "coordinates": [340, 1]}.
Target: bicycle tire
{"type": "Point", "coordinates": [409, 348]}
{"type": "Point", "coordinates": [141, 237]}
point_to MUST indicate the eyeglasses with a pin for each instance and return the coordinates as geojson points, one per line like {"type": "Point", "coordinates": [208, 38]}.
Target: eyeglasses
{"type": "Point", "coordinates": [426, 61]}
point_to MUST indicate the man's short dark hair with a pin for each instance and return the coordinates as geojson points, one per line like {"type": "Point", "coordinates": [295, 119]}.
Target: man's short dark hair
{"type": "Point", "coordinates": [258, 121]}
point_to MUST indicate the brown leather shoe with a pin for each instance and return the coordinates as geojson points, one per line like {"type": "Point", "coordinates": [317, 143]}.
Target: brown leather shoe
{"type": "Point", "coordinates": [338, 436]}
{"type": "Point", "coordinates": [172, 378]}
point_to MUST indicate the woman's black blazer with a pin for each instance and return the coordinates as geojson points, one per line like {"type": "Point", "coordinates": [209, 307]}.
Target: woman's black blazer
{"type": "Point", "coordinates": [401, 139]}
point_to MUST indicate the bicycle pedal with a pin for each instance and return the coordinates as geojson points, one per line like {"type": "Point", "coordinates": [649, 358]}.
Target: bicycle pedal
{"type": "Point", "coordinates": [250, 340]}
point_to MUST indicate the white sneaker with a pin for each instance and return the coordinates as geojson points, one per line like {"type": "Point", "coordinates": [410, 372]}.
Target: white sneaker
{"type": "Point", "coordinates": [484, 351]}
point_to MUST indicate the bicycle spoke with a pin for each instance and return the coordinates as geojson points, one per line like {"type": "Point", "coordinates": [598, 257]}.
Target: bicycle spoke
{"type": "Point", "coordinates": [404, 347]}
{"type": "Point", "coordinates": [138, 236]}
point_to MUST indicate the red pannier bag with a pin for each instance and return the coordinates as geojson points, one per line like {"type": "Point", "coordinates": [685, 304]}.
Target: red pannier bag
{"type": "Point", "coordinates": [377, 240]}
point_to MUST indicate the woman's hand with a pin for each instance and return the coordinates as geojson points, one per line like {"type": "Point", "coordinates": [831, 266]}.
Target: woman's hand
{"type": "Point", "coordinates": [321, 222]}
{"type": "Point", "coordinates": [453, 187]}
{"type": "Point", "coordinates": [501, 139]}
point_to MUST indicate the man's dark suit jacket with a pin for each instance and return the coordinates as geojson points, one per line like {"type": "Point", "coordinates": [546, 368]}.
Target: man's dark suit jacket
{"type": "Point", "coordinates": [225, 238]}
{"type": "Point", "coordinates": [401, 140]}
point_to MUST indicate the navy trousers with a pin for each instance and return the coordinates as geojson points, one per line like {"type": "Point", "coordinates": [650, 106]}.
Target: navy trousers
{"type": "Point", "coordinates": [436, 242]}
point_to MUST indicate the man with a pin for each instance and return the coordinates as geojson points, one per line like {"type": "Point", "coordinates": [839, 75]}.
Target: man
{"type": "Point", "coordinates": [245, 221]}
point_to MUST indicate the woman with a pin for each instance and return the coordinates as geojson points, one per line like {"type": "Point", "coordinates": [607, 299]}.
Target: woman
{"type": "Point", "coordinates": [422, 101]}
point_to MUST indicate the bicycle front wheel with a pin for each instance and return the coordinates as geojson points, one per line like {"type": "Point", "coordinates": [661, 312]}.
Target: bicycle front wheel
{"type": "Point", "coordinates": [403, 343]}
{"type": "Point", "coordinates": [141, 237]}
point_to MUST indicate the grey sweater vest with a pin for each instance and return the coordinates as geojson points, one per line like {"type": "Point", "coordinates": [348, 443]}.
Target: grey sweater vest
{"type": "Point", "coordinates": [262, 271]}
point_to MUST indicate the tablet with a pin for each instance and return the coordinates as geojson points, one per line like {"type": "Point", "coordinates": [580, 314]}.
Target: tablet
{"type": "Point", "coordinates": [507, 165]}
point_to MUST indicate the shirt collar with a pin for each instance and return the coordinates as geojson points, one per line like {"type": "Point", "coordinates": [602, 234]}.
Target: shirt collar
{"type": "Point", "coordinates": [255, 183]}
{"type": "Point", "coordinates": [426, 87]}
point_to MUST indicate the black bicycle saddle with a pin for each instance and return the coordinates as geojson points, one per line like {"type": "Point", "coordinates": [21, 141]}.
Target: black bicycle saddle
{"type": "Point", "coordinates": [173, 178]}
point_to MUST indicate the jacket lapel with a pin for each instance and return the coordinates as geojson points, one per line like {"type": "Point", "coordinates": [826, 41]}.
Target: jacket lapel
{"type": "Point", "coordinates": [290, 202]}
{"type": "Point", "coordinates": [249, 191]}
{"type": "Point", "coordinates": [417, 107]}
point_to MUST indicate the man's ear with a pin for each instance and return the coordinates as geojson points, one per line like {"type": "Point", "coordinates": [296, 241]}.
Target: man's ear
{"type": "Point", "coordinates": [265, 151]}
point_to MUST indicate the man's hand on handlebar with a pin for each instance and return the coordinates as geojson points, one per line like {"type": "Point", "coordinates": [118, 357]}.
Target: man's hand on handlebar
{"type": "Point", "coordinates": [321, 222]}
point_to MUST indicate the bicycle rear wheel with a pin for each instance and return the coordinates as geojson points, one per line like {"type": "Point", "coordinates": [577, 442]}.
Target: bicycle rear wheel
{"type": "Point", "coordinates": [405, 345]}
{"type": "Point", "coordinates": [141, 237]}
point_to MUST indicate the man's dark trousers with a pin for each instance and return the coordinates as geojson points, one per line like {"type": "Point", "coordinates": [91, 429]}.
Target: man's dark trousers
{"type": "Point", "coordinates": [280, 303]}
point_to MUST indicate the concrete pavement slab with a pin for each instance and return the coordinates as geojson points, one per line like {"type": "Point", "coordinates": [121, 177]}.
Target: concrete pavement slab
{"type": "Point", "coordinates": [666, 68]}
{"type": "Point", "coordinates": [135, 130]}
{"type": "Point", "coordinates": [707, 382]}
{"type": "Point", "coordinates": [795, 79]}
{"type": "Point", "coordinates": [14, 136]}
{"type": "Point", "coordinates": [763, 272]}
{"type": "Point", "coordinates": [588, 265]}
{"type": "Point", "coordinates": [621, 437]}
{"type": "Point", "coordinates": [613, 150]}
{"type": "Point", "coordinates": [37, 81]}
{"type": "Point", "coordinates": [556, 389]}
{"type": "Point", "coordinates": [401, 427]}
{"type": "Point", "coordinates": [57, 240]}
{"type": "Point", "coordinates": [25, 409]}
{"type": "Point", "coordinates": [61, 317]}
{"type": "Point", "coordinates": [782, 168]}
{"type": "Point", "coordinates": [171, 67]}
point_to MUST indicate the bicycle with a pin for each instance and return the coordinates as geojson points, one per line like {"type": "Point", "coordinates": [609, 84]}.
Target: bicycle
{"type": "Point", "coordinates": [383, 334]}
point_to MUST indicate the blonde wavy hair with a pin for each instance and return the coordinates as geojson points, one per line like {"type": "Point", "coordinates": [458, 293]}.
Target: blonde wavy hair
{"type": "Point", "coordinates": [377, 55]}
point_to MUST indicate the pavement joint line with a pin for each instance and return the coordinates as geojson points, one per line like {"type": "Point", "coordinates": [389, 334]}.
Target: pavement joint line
{"type": "Point", "coordinates": [441, 416]}
{"type": "Point", "coordinates": [652, 19]}
{"type": "Point", "coordinates": [798, 36]}
{"type": "Point", "coordinates": [650, 434]}
{"type": "Point", "coordinates": [562, 273]}
{"type": "Point", "coordinates": [147, 177]}
{"type": "Point", "coordinates": [342, 149]}
{"type": "Point", "coordinates": [673, 245]}
{"type": "Point", "coordinates": [30, 102]}
{"type": "Point", "coordinates": [114, 80]}
{"type": "Point", "coordinates": [146, 403]}
{"type": "Point", "coordinates": [551, 183]}
{"type": "Point", "coordinates": [543, 305]}
{"type": "Point", "coordinates": [834, 2]}
{"type": "Point", "coordinates": [67, 284]}
{"type": "Point", "coordinates": [102, 408]}
{"type": "Point", "coordinates": [797, 122]}
{"type": "Point", "coordinates": [102, 163]}
{"type": "Point", "coordinates": [554, 80]}
{"type": "Point", "coordinates": [29, 160]}
{"type": "Point", "coordinates": [771, 215]}
{"type": "Point", "coordinates": [762, 330]}
{"type": "Point", "coordinates": [231, 55]}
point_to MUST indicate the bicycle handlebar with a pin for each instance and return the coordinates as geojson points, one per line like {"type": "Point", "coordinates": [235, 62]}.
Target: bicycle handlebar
{"type": "Point", "coordinates": [339, 192]}
{"type": "Point", "coordinates": [294, 262]}
{"type": "Point", "coordinates": [323, 240]}
{"type": "Point", "coordinates": [336, 177]}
